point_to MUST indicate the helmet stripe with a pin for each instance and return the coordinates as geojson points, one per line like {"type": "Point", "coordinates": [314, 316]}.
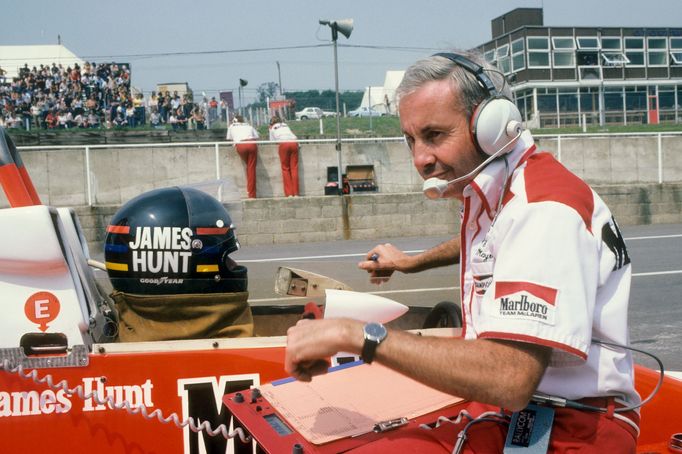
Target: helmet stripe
{"type": "Point", "coordinates": [117, 248]}
{"type": "Point", "coordinates": [212, 230]}
{"type": "Point", "coordinates": [125, 229]}
{"type": "Point", "coordinates": [207, 268]}
{"type": "Point", "coordinates": [116, 266]}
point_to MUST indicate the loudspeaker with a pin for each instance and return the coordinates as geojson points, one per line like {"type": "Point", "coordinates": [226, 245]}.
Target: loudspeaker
{"type": "Point", "coordinates": [344, 26]}
{"type": "Point", "coordinates": [496, 122]}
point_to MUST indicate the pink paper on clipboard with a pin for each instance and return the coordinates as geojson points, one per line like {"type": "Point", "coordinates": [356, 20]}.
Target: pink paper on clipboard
{"type": "Point", "coordinates": [351, 401]}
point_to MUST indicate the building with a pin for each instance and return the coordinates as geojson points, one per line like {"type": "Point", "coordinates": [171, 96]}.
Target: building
{"type": "Point", "coordinates": [382, 98]}
{"type": "Point", "coordinates": [573, 76]}
{"type": "Point", "coordinates": [13, 58]}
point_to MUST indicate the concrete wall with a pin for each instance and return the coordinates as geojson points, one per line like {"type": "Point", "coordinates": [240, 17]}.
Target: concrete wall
{"type": "Point", "coordinates": [118, 173]}
{"type": "Point", "coordinates": [377, 216]}
{"type": "Point", "coordinates": [623, 169]}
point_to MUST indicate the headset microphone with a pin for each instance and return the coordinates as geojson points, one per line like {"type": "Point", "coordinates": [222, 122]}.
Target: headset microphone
{"type": "Point", "coordinates": [435, 187]}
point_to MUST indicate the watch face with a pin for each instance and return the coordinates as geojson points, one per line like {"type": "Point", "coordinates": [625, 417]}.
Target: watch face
{"type": "Point", "coordinates": [375, 331]}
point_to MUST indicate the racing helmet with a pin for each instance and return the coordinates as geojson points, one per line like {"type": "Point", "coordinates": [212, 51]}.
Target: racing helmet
{"type": "Point", "coordinates": [174, 240]}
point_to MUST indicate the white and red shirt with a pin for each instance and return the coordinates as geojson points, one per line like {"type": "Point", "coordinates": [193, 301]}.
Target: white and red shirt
{"type": "Point", "coordinates": [239, 132]}
{"type": "Point", "coordinates": [281, 132]}
{"type": "Point", "coordinates": [551, 269]}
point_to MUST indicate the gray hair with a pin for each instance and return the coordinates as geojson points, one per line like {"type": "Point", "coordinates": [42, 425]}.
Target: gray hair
{"type": "Point", "coordinates": [464, 83]}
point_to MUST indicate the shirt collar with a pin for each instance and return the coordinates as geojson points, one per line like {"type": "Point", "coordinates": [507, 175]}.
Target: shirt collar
{"type": "Point", "coordinates": [490, 182]}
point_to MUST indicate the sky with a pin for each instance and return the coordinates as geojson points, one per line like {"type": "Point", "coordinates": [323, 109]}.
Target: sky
{"type": "Point", "coordinates": [211, 44]}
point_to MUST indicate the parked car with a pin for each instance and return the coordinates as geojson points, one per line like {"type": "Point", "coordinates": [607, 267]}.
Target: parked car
{"type": "Point", "coordinates": [365, 112]}
{"type": "Point", "coordinates": [313, 113]}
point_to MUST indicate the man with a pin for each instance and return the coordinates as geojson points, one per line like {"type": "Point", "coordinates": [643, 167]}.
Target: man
{"type": "Point", "coordinates": [288, 154]}
{"type": "Point", "coordinates": [544, 275]}
{"type": "Point", "coordinates": [243, 135]}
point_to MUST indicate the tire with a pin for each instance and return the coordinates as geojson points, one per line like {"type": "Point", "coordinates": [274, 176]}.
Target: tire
{"type": "Point", "coordinates": [304, 117]}
{"type": "Point", "coordinates": [445, 314]}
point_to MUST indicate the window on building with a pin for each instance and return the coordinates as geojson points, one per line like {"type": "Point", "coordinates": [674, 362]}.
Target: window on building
{"type": "Point", "coordinates": [489, 56]}
{"type": "Point", "coordinates": [538, 43]}
{"type": "Point", "coordinates": [634, 51]}
{"type": "Point", "coordinates": [563, 43]}
{"type": "Point", "coordinates": [518, 57]}
{"type": "Point", "coordinates": [568, 101]}
{"type": "Point", "coordinates": [503, 64]}
{"type": "Point", "coordinates": [547, 103]}
{"type": "Point", "coordinates": [666, 97]}
{"type": "Point", "coordinates": [563, 59]}
{"type": "Point", "coordinates": [635, 98]}
{"type": "Point", "coordinates": [615, 59]}
{"type": "Point", "coordinates": [613, 99]}
{"type": "Point", "coordinates": [611, 43]}
{"type": "Point", "coordinates": [588, 43]}
{"type": "Point", "coordinates": [657, 54]}
{"type": "Point", "coordinates": [657, 58]}
{"type": "Point", "coordinates": [657, 43]}
{"type": "Point", "coordinates": [538, 51]}
{"type": "Point", "coordinates": [538, 59]}
{"type": "Point", "coordinates": [589, 99]}
{"type": "Point", "coordinates": [676, 50]}
{"type": "Point", "coordinates": [590, 72]}
{"type": "Point", "coordinates": [503, 51]}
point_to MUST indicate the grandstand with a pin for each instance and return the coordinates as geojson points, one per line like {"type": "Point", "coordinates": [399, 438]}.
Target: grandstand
{"type": "Point", "coordinates": [49, 87]}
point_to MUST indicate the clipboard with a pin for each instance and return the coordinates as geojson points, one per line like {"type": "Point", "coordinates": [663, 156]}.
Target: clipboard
{"type": "Point", "coordinates": [351, 400]}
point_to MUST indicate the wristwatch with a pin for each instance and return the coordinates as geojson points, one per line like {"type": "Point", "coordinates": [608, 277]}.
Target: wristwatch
{"type": "Point", "coordinates": [375, 333]}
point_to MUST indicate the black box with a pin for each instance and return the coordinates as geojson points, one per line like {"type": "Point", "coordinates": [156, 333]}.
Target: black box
{"type": "Point", "coordinates": [361, 178]}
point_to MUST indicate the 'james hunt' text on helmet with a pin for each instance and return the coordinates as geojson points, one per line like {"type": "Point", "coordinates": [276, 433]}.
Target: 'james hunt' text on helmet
{"type": "Point", "coordinates": [173, 241]}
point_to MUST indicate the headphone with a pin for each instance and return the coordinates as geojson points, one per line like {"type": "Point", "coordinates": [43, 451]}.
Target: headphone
{"type": "Point", "coordinates": [495, 124]}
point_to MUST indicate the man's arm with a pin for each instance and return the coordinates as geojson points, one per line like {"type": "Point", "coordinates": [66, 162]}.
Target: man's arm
{"type": "Point", "coordinates": [390, 259]}
{"type": "Point", "coordinates": [503, 373]}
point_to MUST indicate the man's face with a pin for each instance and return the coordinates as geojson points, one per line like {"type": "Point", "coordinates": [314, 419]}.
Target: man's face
{"type": "Point", "coordinates": [437, 132]}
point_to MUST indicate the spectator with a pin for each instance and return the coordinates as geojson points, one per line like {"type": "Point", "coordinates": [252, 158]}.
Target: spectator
{"type": "Point", "coordinates": [93, 119]}
{"type": "Point", "coordinates": [153, 103]}
{"type": "Point", "coordinates": [212, 111]}
{"type": "Point", "coordinates": [51, 120]}
{"type": "Point", "coordinates": [242, 135]}
{"type": "Point", "coordinates": [181, 118]}
{"type": "Point", "coordinates": [198, 118]}
{"type": "Point", "coordinates": [155, 119]}
{"type": "Point", "coordinates": [130, 116]}
{"type": "Point", "coordinates": [119, 119]}
{"type": "Point", "coordinates": [173, 120]}
{"type": "Point", "coordinates": [288, 155]}
{"type": "Point", "coordinates": [138, 106]}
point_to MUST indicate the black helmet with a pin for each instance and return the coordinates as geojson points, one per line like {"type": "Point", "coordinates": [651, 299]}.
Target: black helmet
{"type": "Point", "coordinates": [173, 241]}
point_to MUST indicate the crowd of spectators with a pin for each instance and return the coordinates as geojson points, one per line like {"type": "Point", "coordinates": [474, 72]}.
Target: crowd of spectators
{"type": "Point", "coordinates": [55, 97]}
{"type": "Point", "coordinates": [93, 96]}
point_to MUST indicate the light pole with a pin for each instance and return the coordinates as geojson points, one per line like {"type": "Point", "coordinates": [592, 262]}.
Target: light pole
{"type": "Point", "coordinates": [279, 77]}
{"type": "Point", "coordinates": [345, 26]}
{"type": "Point", "coordinates": [242, 83]}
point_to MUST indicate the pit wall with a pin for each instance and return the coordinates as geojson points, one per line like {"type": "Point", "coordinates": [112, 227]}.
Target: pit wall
{"type": "Point", "coordinates": [640, 177]}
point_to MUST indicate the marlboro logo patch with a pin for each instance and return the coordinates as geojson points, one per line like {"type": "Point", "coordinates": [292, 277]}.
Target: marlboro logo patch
{"type": "Point", "coordinates": [525, 300]}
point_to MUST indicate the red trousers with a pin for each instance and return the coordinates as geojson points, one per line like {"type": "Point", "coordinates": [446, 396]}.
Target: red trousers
{"type": "Point", "coordinates": [572, 431]}
{"type": "Point", "coordinates": [249, 154]}
{"type": "Point", "coordinates": [288, 159]}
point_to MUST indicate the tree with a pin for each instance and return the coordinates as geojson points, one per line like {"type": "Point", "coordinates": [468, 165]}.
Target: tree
{"type": "Point", "coordinates": [266, 90]}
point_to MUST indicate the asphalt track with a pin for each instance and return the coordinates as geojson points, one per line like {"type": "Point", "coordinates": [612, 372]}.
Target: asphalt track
{"type": "Point", "coordinates": [655, 312]}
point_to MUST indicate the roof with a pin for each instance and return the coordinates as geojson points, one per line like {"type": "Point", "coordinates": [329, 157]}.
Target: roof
{"type": "Point", "coordinates": [14, 57]}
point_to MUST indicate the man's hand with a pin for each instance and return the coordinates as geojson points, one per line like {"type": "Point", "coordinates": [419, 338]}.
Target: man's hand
{"type": "Point", "coordinates": [382, 261]}
{"type": "Point", "coordinates": [310, 343]}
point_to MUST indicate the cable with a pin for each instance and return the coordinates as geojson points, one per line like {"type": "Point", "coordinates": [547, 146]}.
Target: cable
{"type": "Point", "coordinates": [561, 402]}
{"type": "Point", "coordinates": [141, 409]}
